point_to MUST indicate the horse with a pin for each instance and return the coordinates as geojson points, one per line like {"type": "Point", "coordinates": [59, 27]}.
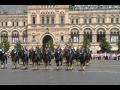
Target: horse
{"type": "Point", "coordinates": [46, 57]}
{"type": "Point", "coordinates": [58, 57]}
{"type": "Point", "coordinates": [30, 55]}
{"type": "Point", "coordinates": [69, 58]}
{"type": "Point", "coordinates": [39, 56]}
{"type": "Point", "coordinates": [83, 57]}
{"type": "Point", "coordinates": [77, 56]}
{"type": "Point", "coordinates": [14, 58]}
{"type": "Point", "coordinates": [25, 57]}
{"type": "Point", "coordinates": [3, 59]}
{"type": "Point", "coordinates": [88, 58]}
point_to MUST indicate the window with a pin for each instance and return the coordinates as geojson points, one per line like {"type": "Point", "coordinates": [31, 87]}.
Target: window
{"type": "Point", "coordinates": [62, 38]}
{"type": "Point", "coordinates": [15, 36]}
{"type": "Point", "coordinates": [112, 20]}
{"type": "Point", "coordinates": [48, 19]}
{"type": "Point", "coordinates": [25, 37]}
{"type": "Point", "coordinates": [24, 23]}
{"type": "Point", "coordinates": [43, 20]}
{"type": "Point", "coordinates": [75, 36]}
{"type": "Point", "coordinates": [12, 23]}
{"type": "Point", "coordinates": [85, 21]}
{"type": "Point", "coordinates": [98, 20]}
{"type": "Point", "coordinates": [117, 20]}
{"type": "Point", "coordinates": [1, 23]}
{"type": "Point", "coordinates": [33, 20]}
{"type": "Point", "coordinates": [72, 21]}
{"type": "Point", "coordinates": [16, 23]}
{"type": "Point", "coordinates": [62, 20]}
{"type": "Point", "coordinates": [114, 36]}
{"type": "Point", "coordinates": [89, 20]}
{"type": "Point", "coordinates": [88, 35]}
{"type": "Point", "coordinates": [4, 35]}
{"type": "Point", "coordinates": [52, 19]}
{"type": "Point", "coordinates": [77, 21]}
{"type": "Point", "coordinates": [103, 20]}
{"type": "Point", "coordinates": [33, 38]}
{"type": "Point", "coordinates": [5, 23]}
{"type": "Point", "coordinates": [100, 35]}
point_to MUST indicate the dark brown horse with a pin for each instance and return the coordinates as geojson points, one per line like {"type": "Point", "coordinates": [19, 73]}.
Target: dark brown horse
{"type": "Point", "coordinates": [68, 53]}
{"type": "Point", "coordinates": [14, 58]}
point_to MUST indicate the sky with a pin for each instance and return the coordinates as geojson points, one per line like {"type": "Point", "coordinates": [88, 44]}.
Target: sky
{"type": "Point", "coordinates": [13, 8]}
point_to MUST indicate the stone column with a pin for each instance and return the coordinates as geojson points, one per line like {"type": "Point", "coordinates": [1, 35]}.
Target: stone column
{"type": "Point", "coordinates": [9, 38]}
{"type": "Point", "coordinates": [81, 37]}
{"type": "Point", "coordinates": [21, 38]}
{"type": "Point", "coordinates": [38, 19]}
{"type": "Point", "coordinates": [108, 36]}
{"type": "Point", "coordinates": [94, 38]}
{"type": "Point", "coordinates": [57, 18]}
{"type": "Point", "coordinates": [29, 38]}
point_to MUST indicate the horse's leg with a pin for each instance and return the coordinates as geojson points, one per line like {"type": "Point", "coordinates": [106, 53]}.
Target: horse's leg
{"type": "Point", "coordinates": [71, 64]}
{"type": "Point", "coordinates": [57, 64]}
{"type": "Point", "coordinates": [37, 64]}
{"type": "Point", "coordinates": [18, 60]}
{"type": "Point", "coordinates": [67, 64]}
{"type": "Point", "coordinates": [45, 65]}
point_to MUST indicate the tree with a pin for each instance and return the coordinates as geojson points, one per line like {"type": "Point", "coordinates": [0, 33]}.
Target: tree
{"type": "Point", "coordinates": [1, 46]}
{"type": "Point", "coordinates": [50, 45]}
{"type": "Point", "coordinates": [118, 44]}
{"type": "Point", "coordinates": [86, 42]}
{"type": "Point", "coordinates": [5, 45]}
{"type": "Point", "coordinates": [18, 45]}
{"type": "Point", "coordinates": [105, 46]}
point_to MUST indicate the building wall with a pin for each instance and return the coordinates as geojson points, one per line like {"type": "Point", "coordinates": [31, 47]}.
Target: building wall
{"type": "Point", "coordinates": [56, 30]}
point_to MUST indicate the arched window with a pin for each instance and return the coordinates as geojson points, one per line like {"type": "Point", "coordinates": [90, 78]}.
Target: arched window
{"type": "Point", "coordinates": [48, 20]}
{"type": "Point", "coordinates": [4, 35]}
{"type": "Point", "coordinates": [34, 19]}
{"type": "Point", "coordinates": [88, 34]}
{"type": "Point", "coordinates": [100, 34]}
{"type": "Point", "coordinates": [101, 20]}
{"type": "Point", "coordinates": [43, 20]}
{"type": "Point", "coordinates": [77, 21]}
{"type": "Point", "coordinates": [17, 23]}
{"type": "Point", "coordinates": [114, 19]}
{"type": "Point", "coordinates": [24, 23]}
{"type": "Point", "coordinates": [72, 21]}
{"type": "Point", "coordinates": [15, 36]}
{"type": "Point", "coordinates": [25, 36]}
{"type": "Point", "coordinates": [62, 18]}
{"type": "Point", "coordinates": [75, 36]}
{"type": "Point", "coordinates": [114, 35]}
{"type": "Point", "coordinates": [52, 20]}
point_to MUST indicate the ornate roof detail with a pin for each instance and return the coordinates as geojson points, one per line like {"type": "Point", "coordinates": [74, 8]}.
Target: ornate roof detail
{"type": "Point", "coordinates": [94, 7]}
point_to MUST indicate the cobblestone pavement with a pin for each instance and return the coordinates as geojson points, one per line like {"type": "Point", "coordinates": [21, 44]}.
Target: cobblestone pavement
{"type": "Point", "coordinates": [97, 73]}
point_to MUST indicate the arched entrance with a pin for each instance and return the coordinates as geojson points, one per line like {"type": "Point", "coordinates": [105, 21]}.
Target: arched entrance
{"type": "Point", "coordinates": [48, 41]}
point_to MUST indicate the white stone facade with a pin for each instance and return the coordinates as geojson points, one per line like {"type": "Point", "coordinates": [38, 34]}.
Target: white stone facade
{"type": "Point", "coordinates": [58, 21]}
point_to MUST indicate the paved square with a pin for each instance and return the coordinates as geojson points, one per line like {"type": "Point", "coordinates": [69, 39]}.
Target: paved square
{"type": "Point", "coordinates": [97, 73]}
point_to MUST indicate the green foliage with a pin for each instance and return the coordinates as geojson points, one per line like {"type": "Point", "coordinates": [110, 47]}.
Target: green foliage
{"type": "Point", "coordinates": [1, 46]}
{"type": "Point", "coordinates": [50, 45]}
{"type": "Point", "coordinates": [118, 44]}
{"type": "Point", "coordinates": [105, 46]}
{"type": "Point", "coordinates": [86, 42]}
{"type": "Point", "coordinates": [5, 45]}
{"type": "Point", "coordinates": [18, 45]}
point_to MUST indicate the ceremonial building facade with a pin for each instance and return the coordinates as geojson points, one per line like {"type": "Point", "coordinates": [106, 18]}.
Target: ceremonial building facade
{"type": "Point", "coordinates": [57, 24]}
